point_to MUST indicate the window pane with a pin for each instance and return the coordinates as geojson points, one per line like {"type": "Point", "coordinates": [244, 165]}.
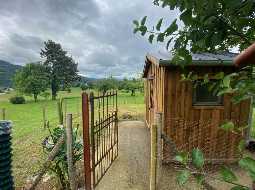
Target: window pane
{"type": "Point", "coordinates": [203, 96]}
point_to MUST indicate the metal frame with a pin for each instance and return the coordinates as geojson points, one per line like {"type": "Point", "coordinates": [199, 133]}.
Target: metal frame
{"type": "Point", "coordinates": [104, 133]}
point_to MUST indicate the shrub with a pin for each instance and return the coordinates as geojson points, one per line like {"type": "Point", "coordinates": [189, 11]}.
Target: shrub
{"type": "Point", "coordinates": [60, 166]}
{"type": "Point", "coordinates": [17, 100]}
{"type": "Point", "coordinates": [45, 95]}
{"type": "Point", "coordinates": [84, 86]}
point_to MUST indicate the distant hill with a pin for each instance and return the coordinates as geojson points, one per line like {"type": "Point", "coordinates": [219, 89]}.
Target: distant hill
{"type": "Point", "coordinates": [7, 71]}
{"type": "Point", "coordinates": [87, 79]}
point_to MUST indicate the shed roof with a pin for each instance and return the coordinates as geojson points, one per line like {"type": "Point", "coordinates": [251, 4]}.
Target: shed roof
{"type": "Point", "coordinates": [198, 59]}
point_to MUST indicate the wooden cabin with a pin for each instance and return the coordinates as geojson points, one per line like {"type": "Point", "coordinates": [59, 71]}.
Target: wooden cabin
{"type": "Point", "coordinates": [192, 115]}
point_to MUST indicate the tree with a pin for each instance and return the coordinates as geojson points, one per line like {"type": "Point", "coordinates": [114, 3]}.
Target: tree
{"type": "Point", "coordinates": [84, 86]}
{"type": "Point", "coordinates": [61, 68]}
{"type": "Point", "coordinates": [104, 85]}
{"type": "Point", "coordinates": [32, 79]}
{"type": "Point", "coordinates": [209, 26]}
{"type": "Point", "coordinates": [131, 85]}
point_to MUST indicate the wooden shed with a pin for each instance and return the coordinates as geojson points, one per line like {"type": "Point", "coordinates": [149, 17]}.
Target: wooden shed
{"type": "Point", "coordinates": [191, 116]}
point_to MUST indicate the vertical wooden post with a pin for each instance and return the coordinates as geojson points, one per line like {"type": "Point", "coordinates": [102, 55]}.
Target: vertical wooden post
{"type": "Point", "coordinates": [159, 122]}
{"type": "Point", "coordinates": [65, 109]}
{"type": "Point", "coordinates": [44, 118]}
{"type": "Point", "coordinates": [153, 169]}
{"type": "Point", "coordinates": [86, 142]}
{"type": "Point", "coordinates": [60, 112]}
{"type": "Point", "coordinates": [4, 113]}
{"type": "Point", "coordinates": [69, 150]}
{"type": "Point", "coordinates": [250, 122]}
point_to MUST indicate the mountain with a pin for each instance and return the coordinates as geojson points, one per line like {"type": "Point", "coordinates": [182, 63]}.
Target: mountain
{"type": "Point", "coordinates": [84, 79]}
{"type": "Point", "coordinates": [7, 71]}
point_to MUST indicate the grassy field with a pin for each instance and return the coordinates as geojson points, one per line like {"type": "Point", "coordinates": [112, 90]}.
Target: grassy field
{"type": "Point", "coordinates": [28, 131]}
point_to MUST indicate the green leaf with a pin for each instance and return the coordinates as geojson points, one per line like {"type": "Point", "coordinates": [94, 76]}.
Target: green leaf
{"type": "Point", "coordinates": [151, 37]}
{"type": "Point", "coordinates": [172, 28]}
{"type": "Point", "coordinates": [135, 30]}
{"type": "Point", "coordinates": [182, 157]}
{"type": "Point", "coordinates": [206, 78]}
{"type": "Point", "coordinates": [226, 81]}
{"type": "Point", "coordinates": [227, 175]}
{"type": "Point", "coordinates": [219, 75]}
{"type": "Point", "coordinates": [186, 16]}
{"type": "Point", "coordinates": [143, 30]}
{"type": "Point", "coordinates": [136, 23]}
{"type": "Point", "coordinates": [161, 37]}
{"type": "Point", "coordinates": [199, 179]}
{"type": "Point", "coordinates": [143, 20]}
{"type": "Point", "coordinates": [168, 43]}
{"type": "Point", "coordinates": [241, 145]}
{"type": "Point", "coordinates": [228, 126]}
{"type": "Point", "coordinates": [239, 188]}
{"type": "Point", "coordinates": [197, 158]}
{"type": "Point", "coordinates": [225, 91]}
{"type": "Point", "coordinates": [159, 24]}
{"type": "Point", "coordinates": [182, 177]}
{"type": "Point", "coordinates": [248, 164]}
{"type": "Point", "coordinates": [184, 55]}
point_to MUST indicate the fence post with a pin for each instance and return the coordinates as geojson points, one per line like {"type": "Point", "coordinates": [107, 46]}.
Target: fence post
{"type": "Point", "coordinates": [69, 150]}
{"type": "Point", "coordinates": [44, 118]}
{"type": "Point", "coordinates": [60, 112]}
{"type": "Point", "coordinates": [159, 122]}
{"type": "Point", "coordinates": [65, 109]}
{"type": "Point", "coordinates": [86, 141]}
{"type": "Point", "coordinates": [153, 168]}
{"type": "Point", "coordinates": [4, 113]}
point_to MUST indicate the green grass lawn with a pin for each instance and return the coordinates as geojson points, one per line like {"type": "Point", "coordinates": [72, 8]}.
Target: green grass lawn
{"type": "Point", "coordinates": [28, 131]}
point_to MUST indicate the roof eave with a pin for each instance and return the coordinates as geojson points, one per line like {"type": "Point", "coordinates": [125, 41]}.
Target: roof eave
{"type": "Point", "coordinates": [204, 63]}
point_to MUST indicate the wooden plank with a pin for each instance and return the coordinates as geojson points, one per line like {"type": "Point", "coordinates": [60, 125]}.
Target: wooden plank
{"type": "Point", "coordinates": [214, 130]}
{"type": "Point", "coordinates": [189, 112]}
{"type": "Point", "coordinates": [178, 99]}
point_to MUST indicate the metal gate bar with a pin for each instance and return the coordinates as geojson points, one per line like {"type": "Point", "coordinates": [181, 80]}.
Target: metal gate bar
{"type": "Point", "coordinates": [104, 133]}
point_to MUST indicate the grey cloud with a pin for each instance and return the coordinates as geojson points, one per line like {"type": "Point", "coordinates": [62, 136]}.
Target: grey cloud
{"type": "Point", "coordinates": [98, 34]}
{"type": "Point", "coordinates": [27, 42]}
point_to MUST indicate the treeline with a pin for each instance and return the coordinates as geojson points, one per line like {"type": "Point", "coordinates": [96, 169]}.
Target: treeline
{"type": "Point", "coordinates": [103, 85]}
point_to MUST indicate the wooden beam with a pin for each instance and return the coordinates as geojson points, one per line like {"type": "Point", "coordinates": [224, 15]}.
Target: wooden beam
{"type": "Point", "coordinates": [86, 141]}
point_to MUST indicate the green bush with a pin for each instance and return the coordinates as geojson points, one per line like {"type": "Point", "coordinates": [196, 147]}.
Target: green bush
{"type": "Point", "coordinates": [17, 100]}
{"type": "Point", "coordinates": [59, 166]}
{"type": "Point", "coordinates": [84, 86]}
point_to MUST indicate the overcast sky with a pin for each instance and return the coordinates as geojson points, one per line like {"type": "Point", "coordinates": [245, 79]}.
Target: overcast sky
{"type": "Point", "coordinates": [97, 33]}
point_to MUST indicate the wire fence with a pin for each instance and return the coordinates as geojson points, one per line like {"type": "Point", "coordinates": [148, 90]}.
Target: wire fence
{"type": "Point", "coordinates": [218, 145]}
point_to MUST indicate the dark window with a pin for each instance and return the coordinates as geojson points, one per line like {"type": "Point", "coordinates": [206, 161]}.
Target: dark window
{"type": "Point", "coordinates": [202, 96]}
